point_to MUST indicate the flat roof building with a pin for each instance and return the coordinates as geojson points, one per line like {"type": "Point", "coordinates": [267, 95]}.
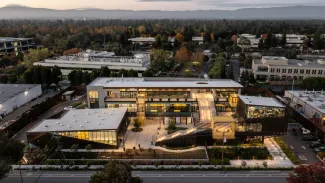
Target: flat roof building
{"type": "Point", "coordinates": [10, 44]}
{"type": "Point", "coordinates": [90, 60]}
{"type": "Point", "coordinates": [280, 68]}
{"type": "Point", "coordinates": [309, 105]}
{"type": "Point", "coordinates": [103, 128]}
{"type": "Point", "coordinates": [13, 96]}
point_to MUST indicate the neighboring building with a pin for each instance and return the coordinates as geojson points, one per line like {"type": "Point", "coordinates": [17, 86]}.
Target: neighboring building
{"type": "Point", "coordinates": [90, 60]}
{"type": "Point", "coordinates": [260, 116]}
{"type": "Point", "coordinates": [13, 96]}
{"type": "Point", "coordinates": [273, 68]}
{"type": "Point", "coordinates": [293, 40]}
{"type": "Point", "coordinates": [310, 108]}
{"type": "Point", "coordinates": [151, 40]}
{"type": "Point", "coordinates": [102, 128]}
{"type": "Point", "coordinates": [10, 44]}
{"type": "Point", "coordinates": [247, 41]}
{"type": "Point", "coordinates": [177, 99]}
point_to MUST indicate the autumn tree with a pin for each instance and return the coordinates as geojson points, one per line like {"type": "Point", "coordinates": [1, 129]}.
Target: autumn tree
{"type": "Point", "coordinates": [141, 29]}
{"type": "Point", "coordinates": [307, 174]}
{"type": "Point", "coordinates": [72, 51]}
{"type": "Point", "coordinates": [198, 57]}
{"type": "Point", "coordinates": [179, 37]}
{"type": "Point", "coordinates": [183, 55]}
{"type": "Point", "coordinates": [158, 59]}
{"type": "Point", "coordinates": [36, 55]}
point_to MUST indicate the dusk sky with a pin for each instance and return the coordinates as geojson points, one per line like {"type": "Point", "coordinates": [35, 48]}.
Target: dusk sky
{"type": "Point", "coordinates": [161, 4]}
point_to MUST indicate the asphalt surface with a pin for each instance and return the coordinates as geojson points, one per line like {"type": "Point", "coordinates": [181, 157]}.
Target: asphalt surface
{"type": "Point", "coordinates": [155, 176]}
{"type": "Point", "coordinates": [236, 69]}
{"type": "Point", "coordinates": [300, 148]}
{"type": "Point", "coordinates": [21, 135]}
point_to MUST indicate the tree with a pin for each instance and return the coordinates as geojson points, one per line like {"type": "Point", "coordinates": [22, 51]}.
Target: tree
{"type": "Point", "coordinates": [37, 74]}
{"type": "Point", "coordinates": [20, 69]}
{"type": "Point", "coordinates": [20, 57]}
{"type": "Point", "coordinates": [72, 51]}
{"type": "Point", "coordinates": [136, 124]}
{"type": "Point", "coordinates": [251, 78]}
{"type": "Point", "coordinates": [313, 83]}
{"type": "Point", "coordinates": [157, 60]}
{"type": "Point", "coordinates": [141, 29]}
{"type": "Point", "coordinates": [94, 74]}
{"type": "Point", "coordinates": [132, 73]}
{"type": "Point", "coordinates": [86, 78]}
{"type": "Point", "coordinates": [284, 39]}
{"type": "Point", "coordinates": [4, 79]}
{"type": "Point", "coordinates": [158, 41]}
{"type": "Point", "coordinates": [318, 41]}
{"type": "Point", "coordinates": [46, 74]}
{"type": "Point", "coordinates": [244, 76]}
{"type": "Point", "coordinates": [28, 76]}
{"type": "Point", "coordinates": [248, 62]}
{"type": "Point", "coordinates": [104, 72]}
{"type": "Point", "coordinates": [71, 77]}
{"type": "Point", "coordinates": [218, 70]}
{"type": "Point", "coordinates": [183, 55]}
{"type": "Point", "coordinates": [56, 74]}
{"type": "Point", "coordinates": [115, 172]}
{"type": "Point", "coordinates": [261, 44]}
{"type": "Point", "coordinates": [88, 147]}
{"type": "Point", "coordinates": [230, 73]}
{"type": "Point", "coordinates": [35, 55]}
{"type": "Point", "coordinates": [179, 37]}
{"type": "Point", "coordinates": [74, 147]}
{"type": "Point", "coordinates": [11, 152]}
{"type": "Point", "coordinates": [12, 78]}
{"type": "Point", "coordinates": [307, 174]}
{"type": "Point", "coordinates": [78, 77]}
{"type": "Point", "coordinates": [147, 73]}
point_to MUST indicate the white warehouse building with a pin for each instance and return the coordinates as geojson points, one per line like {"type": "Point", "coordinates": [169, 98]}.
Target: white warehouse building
{"type": "Point", "coordinates": [13, 96]}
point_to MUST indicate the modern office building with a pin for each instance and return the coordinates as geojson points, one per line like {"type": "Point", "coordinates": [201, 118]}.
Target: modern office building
{"type": "Point", "coordinates": [281, 68]}
{"type": "Point", "coordinates": [260, 116]}
{"type": "Point", "coordinates": [90, 60]}
{"type": "Point", "coordinates": [151, 40]}
{"type": "Point", "coordinates": [293, 40]}
{"type": "Point", "coordinates": [183, 100]}
{"type": "Point", "coordinates": [102, 128]}
{"type": "Point", "coordinates": [310, 109]}
{"type": "Point", "coordinates": [13, 96]}
{"type": "Point", "coordinates": [10, 44]}
{"type": "Point", "coordinates": [247, 41]}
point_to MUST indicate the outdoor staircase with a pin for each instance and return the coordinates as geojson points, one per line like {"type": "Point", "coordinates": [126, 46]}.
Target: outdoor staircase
{"type": "Point", "coordinates": [206, 109]}
{"type": "Point", "coordinates": [177, 134]}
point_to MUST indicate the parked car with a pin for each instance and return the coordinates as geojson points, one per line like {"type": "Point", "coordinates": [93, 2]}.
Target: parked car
{"type": "Point", "coordinates": [315, 144]}
{"type": "Point", "coordinates": [320, 149]}
{"type": "Point", "coordinates": [304, 131]}
{"type": "Point", "coordinates": [68, 108]}
{"type": "Point", "coordinates": [308, 138]}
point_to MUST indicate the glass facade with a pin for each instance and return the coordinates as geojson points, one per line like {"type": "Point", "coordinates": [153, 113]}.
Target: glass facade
{"type": "Point", "coordinates": [105, 136]}
{"type": "Point", "coordinates": [132, 107]}
{"type": "Point", "coordinates": [249, 127]}
{"type": "Point", "coordinates": [162, 107]}
{"type": "Point", "coordinates": [93, 99]}
{"type": "Point", "coordinates": [264, 111]}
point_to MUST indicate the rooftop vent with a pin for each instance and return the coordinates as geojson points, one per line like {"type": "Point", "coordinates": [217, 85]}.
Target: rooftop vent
{"type": "Point", "coordinates": [57, 122]}
{"type": "Point", "coordinates": [81, 126]}
{"type": "Point", "coordinates": [86, 121]}
{"type": "Point", "coordinates": [109, 113]}
{"type": "Point", "coordinates": [74, 120]}
{"type": "Point", "coordinates": [98, 123]}
{"type": "Point", "coordinates": [102, 118]}
{"type": "Point", "coordinates": [87, 113]}
{"type": "Point", "coordinates": [61, 124]}
{"type": "Point", "coordinates": [68, 126]}
{"type": "Point", "coordinates": [201, 83]}
{"type": "Point", "coordinates": [46, 126]}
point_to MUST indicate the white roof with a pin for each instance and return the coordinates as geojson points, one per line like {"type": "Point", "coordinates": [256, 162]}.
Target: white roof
{"type": "Point", "coordinates": [84, 120]}
{"type": "Point", "coordinates": [260, 101]}
{"type": "Point", "coordinates": [315, 99]}
{"type": "Point", "coordinates": [164, 83]}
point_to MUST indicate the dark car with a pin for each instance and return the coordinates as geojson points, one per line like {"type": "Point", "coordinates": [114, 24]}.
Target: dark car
{"type": "Point", "coordinates": [320, 149]}
{"type": "Point", "coordinates": [308, 138]}
{"type": "Point", "coordinates": [315, 144]}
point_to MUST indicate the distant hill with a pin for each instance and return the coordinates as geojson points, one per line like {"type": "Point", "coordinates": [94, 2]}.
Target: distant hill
{"type": "Point", "coordinates": [294, 12]}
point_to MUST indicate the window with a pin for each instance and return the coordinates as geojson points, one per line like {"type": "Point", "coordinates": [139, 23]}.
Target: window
{"type": "Point", "coordinates": [296, 71]}
{"type": "Point", "coordinates": [93, 95]}
{"type": "Point", "coordinates": [307, 71]}
{"type": "Point", "coordinates": [320, 72]}
{"type": "Point", "coordinates": [272, 69]}
{"type": "Point", "coordinates": [284, 70]}
{"type": "Point", "coordinates": [314, 72]}
{"type": "Point", "coordinates": [302, 71]}
{"type": "Point", "coordinates": [289, 70]}
{"type": "Point", "coordinates": [278, 70]}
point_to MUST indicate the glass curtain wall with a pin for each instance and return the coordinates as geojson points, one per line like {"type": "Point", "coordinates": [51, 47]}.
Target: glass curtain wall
{"type": "Point", "coordinates": [132, 107]}
{"type": "Point", "coordinates": [93, 99]}
{"type": "Point", "coordinates": [264, 111]}
{"type": "Point", "coordinates": [105, 136]}
{"type": "Point", "coordinates": [171, 107]}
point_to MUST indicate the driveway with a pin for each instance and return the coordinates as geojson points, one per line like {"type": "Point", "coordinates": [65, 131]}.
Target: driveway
{"type": "Point", "coordinates": [300, 148]}
{"type": "Point", "coordinates": [21, 135]}
{"type": "Point", "coordinates": [236, 69]}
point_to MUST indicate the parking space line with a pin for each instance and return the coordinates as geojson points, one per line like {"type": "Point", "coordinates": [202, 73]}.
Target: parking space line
{"type": "Point", "coordinates": [291, 147]}
{"type": "Point", "coordinates": [303, 147]}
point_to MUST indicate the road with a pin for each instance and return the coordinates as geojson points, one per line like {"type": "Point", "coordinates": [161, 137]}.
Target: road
{"type": "Point", "coordinates": [156, 176]}
{"type": "Point", "coordinates": [21, 135]}
{"type": "Point", "coordinates": [300, 148]}
{"type": "Point", "coordinates": [236, 68]}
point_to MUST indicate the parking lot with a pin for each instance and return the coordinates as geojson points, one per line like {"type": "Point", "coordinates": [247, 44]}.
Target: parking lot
{"type": "Point", "coordinates": [301, 148]}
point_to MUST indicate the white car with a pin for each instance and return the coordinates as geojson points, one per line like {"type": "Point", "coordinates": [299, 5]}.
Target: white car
{"type": "Point", "coordinates": [305, 131]}
{"type": "Point", "coordinates": [68, 108]}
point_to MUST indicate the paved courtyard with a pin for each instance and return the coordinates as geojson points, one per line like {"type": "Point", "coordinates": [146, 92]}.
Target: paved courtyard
{"type": "Point", "coordinates": [149, 134]}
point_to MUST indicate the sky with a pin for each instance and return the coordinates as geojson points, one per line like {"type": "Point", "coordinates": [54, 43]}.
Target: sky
{"type": "Point", "coordinates": [161, 4]}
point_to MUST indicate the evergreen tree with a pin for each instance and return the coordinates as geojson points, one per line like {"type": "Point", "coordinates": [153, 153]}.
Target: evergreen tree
{"type": "Point", "coordinates": [230, 72]}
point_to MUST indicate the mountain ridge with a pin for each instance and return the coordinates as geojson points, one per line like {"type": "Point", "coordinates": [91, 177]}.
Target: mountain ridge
{"type": "Point", "coordinates": [290, 12]}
